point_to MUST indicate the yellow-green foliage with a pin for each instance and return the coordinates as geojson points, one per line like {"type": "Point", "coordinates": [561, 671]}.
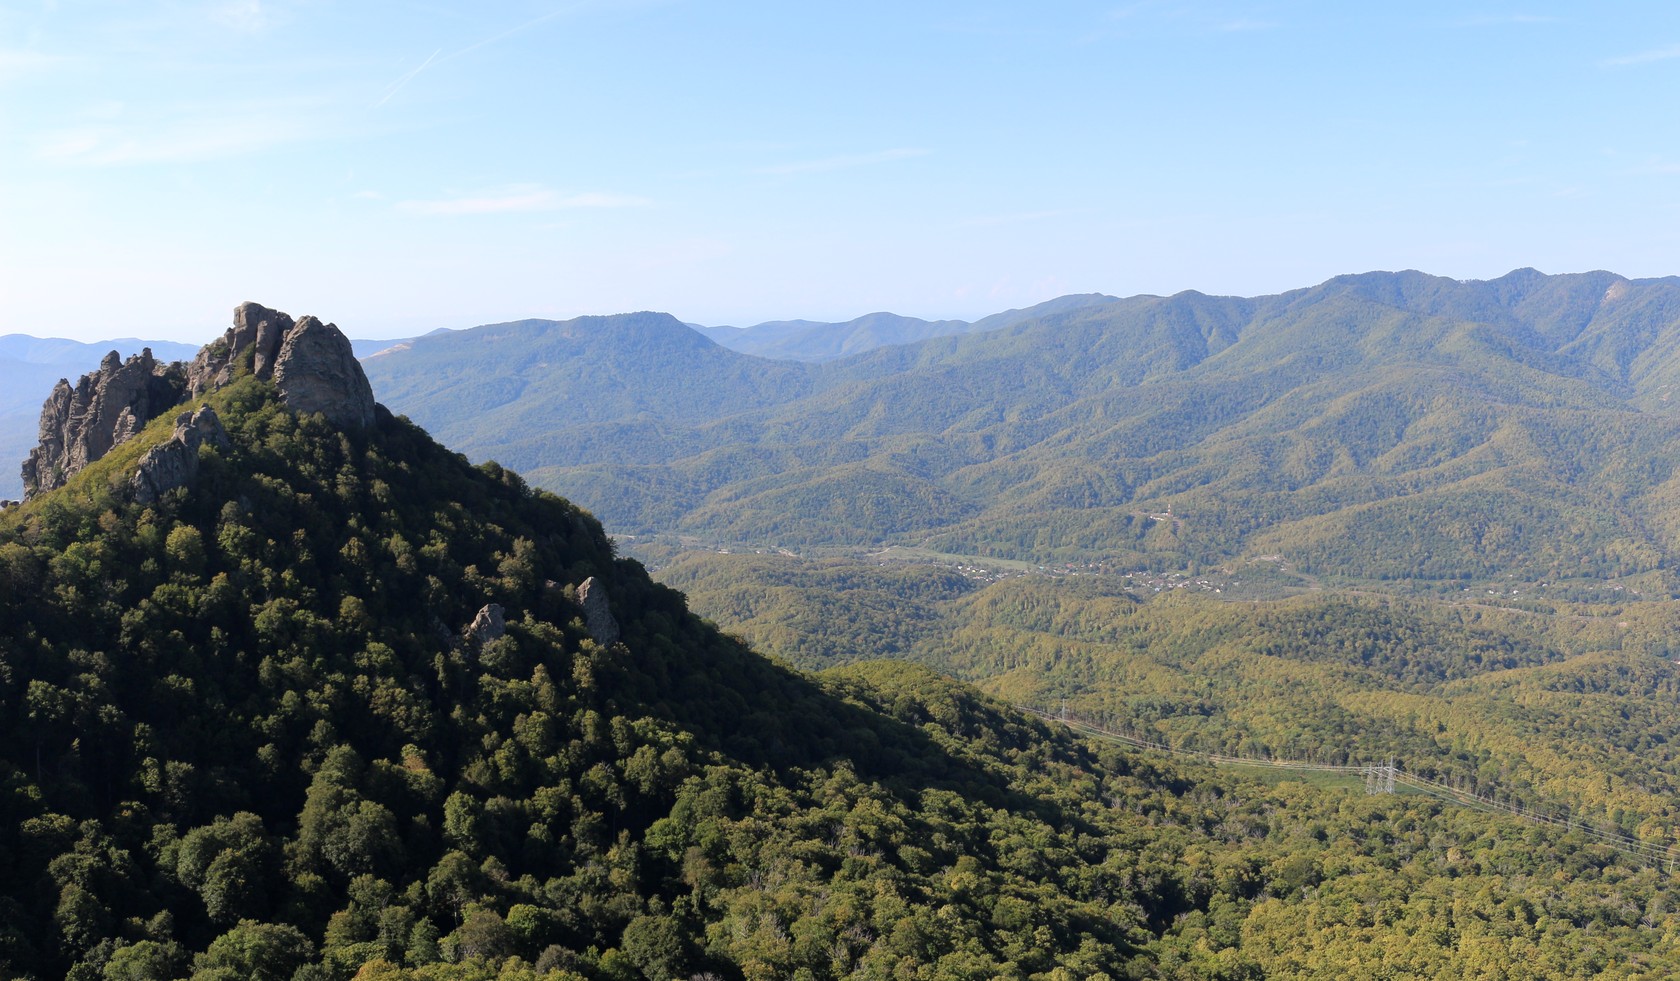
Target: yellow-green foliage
{"type": "Point", "coordinates": [243, 734]}
{"type": "Point", "coordinates": [1380, 428]}
{"type": "Point", "coordinates": [1568, 706]}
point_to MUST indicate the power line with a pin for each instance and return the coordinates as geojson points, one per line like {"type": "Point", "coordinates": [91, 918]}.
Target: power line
{"type": "Point", "coordinates": [1383, 778]}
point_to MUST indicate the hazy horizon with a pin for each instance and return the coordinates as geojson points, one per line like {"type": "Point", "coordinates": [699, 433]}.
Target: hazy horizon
{"type": "Point", "coordinates": [398, 170]}
{"type": "Point", "coordinates": [205, 334]}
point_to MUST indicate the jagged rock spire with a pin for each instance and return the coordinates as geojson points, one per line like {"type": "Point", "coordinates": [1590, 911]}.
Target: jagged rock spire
{"type": "Point", "coordinates": [174, 464]}
{"type": "Point", "coordinates": [80, 424]}
{"type": "Point", "coordinates": [310, 362]}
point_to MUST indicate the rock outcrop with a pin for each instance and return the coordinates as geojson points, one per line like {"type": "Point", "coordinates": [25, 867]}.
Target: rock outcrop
{"type": "Point", "coordinates": [310, 362]}
{"type": "Point", "coordinates": [597, 618]}
{"type": "Point", "coordinates": [256, 331]}
{"type": "Point", "coordinates": [489, 624]}
{"type": "Point", "coordinates": [174, 464]}
{"type": "Point", "coordinates": [80, 424]}
{"type": "Point", "coordinates": [316, 371]}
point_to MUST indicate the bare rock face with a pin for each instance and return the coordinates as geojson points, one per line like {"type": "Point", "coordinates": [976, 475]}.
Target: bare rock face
{"type": "Point", "coordinates": [490, 623]}
{"type": "Point", "coordinates": [174, 464]}
{"type": "Point", "coordinates": [81, 424]}
{"type": "Point", "coordinates": [256, 330]}
{"type": "Point", "coordinates": [316, 371]}
{"type": "Point", "coordinates": [597, 618]}
{"type": "Point", "coordinates": [309, 362]}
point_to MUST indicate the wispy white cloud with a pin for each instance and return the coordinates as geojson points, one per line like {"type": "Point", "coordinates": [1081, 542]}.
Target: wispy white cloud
{"type": "Point", "coordinates": [520, 29]}
{"type": "Point", "coordinates": [1172, 16]}
{"type": "Point", "coordinates": [843, 162]}
{"type": "Point", "coordinates": [1016, 218]}
{"type": "Point", "coordinates": [193, 136]}
{"type": "Point", "coordinates": [1653, 168]}
{"type": "Point", "coordinates": [17, 62]}
{"type": "Point", "coordinates": [520, 198]}
{"type": "Point", "coordinates": [1130, 10]}
{"type": "Point", "coordinates": [1645, 57]}
{"type": "Point", "coordinates": [433, 58]}
{"type": "Point", "coordinates": [404, 79]}
{"type": "Point", "coordinates": [104, 109]}
{"type": "Point", "coordinates": [599, 200]}
{"type": "Point", "coordinates": [1496, 20]}
{"type": "Point", "coordinates": [245, 16]}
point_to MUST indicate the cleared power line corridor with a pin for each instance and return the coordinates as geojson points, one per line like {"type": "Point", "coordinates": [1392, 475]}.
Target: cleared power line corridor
{"type": "Point", "coordinates": [1385, 778]}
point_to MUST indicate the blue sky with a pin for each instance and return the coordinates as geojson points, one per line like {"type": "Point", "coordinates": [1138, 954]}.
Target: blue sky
{"type": "Point", "coordinates": [397, 167]}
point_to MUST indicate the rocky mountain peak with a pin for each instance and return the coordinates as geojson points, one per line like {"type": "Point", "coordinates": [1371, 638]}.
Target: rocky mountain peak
{"type": "Point", "coordinates": [316, 371]}
{"type": "Point", "coordinates": [256, 330]}
{"type": "Point", "coordinates": [80, 423]}
{"type": "Point", "coordinates": [310, 362]}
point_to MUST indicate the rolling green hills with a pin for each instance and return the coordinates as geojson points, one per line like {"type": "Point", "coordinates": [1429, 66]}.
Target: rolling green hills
{"type": "Point", "coordinates": [1386, 427]}
{"type": "Point", "coordinates": [1560, 705]}
{"type": "Point", "coordinates": [257, 730]}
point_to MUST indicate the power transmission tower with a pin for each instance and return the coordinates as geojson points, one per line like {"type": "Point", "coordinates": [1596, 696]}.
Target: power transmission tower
{"type": "Point", "coordinates": [1379, 777]}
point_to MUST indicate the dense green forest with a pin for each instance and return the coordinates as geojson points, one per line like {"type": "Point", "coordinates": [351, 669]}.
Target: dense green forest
{"type": "Point", "coordinates": [1390, 429]}
{"type": "Point", "coordinates": [249, 733]}
{"type": "Point", "coordinates": [1569, 707]}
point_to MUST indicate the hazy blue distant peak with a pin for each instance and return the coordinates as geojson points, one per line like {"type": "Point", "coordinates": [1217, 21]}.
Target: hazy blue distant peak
{"type": "Point", "coordinates": [368, 347]}
{"type": "Point", "coordinates": [1061, 304]}
{"type": "Point", "coordinates": [62, 351]}
{"type": "Point", "coordinates": [613, 330]}
{"type": "Point", "coordinates": [810, 340]}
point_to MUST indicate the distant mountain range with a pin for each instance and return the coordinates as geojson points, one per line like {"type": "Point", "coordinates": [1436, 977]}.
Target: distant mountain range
{"type": "Point", "coordinates": [34, 364]}
{"type": "Point", "coordinates": [806, 340]}
{"type": "Point", "coordinates": [1379, 426]}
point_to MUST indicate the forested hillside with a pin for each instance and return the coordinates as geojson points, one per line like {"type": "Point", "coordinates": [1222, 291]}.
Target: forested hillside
{"type": "Point", "coordinates": [1574, 708]}
{"type": "Point", "coordinates": [267, 727]}
{"type": "Point", "coordinates": [1388, 427]}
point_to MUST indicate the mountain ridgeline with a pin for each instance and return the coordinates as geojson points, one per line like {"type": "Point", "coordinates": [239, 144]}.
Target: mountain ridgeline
{"type": "Point", "coordinates": [806, 340]}
{"type": "Point", "coordinates": [1386, 426]}
{"type": "Point", "coordinates": [340, 704]}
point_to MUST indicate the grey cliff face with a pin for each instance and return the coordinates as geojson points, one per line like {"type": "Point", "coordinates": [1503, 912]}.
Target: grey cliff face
{"type": "Point", "coordinates": [489, 624]}
{"type": "Point", "coordinates": [174, 464]}
{"type": "Point", "coordinates": [81, 424]}
{"type": "Point", "coordinates": [311, 364]}
{"type": "Point", "coordinates": [317, 372]}
{"type": "Point", "coordinates": [256, 329]}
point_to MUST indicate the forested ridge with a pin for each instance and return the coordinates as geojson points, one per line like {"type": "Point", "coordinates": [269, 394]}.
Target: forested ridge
{"type": "Point", "coordinates": [1386, 428]}
{"type": "Point", "coordinates": [246, 734]}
